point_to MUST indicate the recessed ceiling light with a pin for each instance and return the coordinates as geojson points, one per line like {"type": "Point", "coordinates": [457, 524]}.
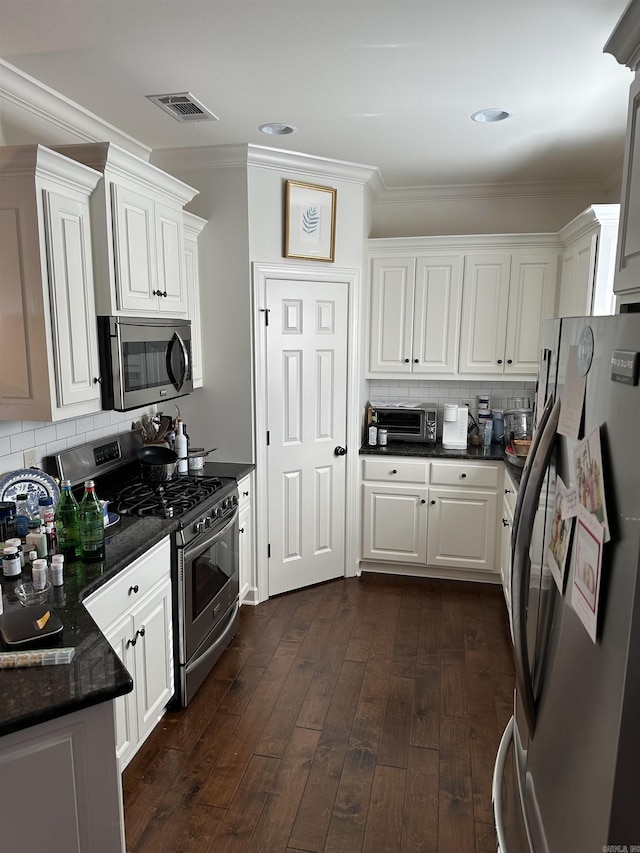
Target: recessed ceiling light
{"type": "Point", "coordinates": [276, 128]}
{"type": "Point", "coordinates": [492, 114]}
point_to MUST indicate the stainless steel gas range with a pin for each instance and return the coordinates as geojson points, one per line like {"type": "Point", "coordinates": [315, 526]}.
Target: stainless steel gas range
{"type": "Point", "coordinates": [205, 544]}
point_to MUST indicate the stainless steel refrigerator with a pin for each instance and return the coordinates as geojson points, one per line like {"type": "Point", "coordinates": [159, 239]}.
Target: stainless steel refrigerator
{"type": "Point", "coordinates": [567, 775]}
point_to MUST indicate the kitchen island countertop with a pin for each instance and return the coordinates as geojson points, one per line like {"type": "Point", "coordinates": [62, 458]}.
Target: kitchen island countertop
{"type": "Point", "coordinates": [31, 695]}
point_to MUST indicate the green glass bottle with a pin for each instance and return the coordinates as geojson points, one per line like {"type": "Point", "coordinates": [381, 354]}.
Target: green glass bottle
{"type": "Point", "coordinates": [91, 524]}
{"type": "Point", "coordinates": [67, 522]}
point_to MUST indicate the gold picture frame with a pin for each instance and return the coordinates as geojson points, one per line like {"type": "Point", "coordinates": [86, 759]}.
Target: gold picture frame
{"type": "Point", "coordinates": [310, 222]}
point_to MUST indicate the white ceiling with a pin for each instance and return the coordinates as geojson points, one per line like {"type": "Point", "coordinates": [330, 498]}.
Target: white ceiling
{"type": "Point", "coordinates": [388, 83]}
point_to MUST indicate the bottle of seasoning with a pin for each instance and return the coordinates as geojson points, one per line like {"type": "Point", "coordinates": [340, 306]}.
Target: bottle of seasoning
{"type": "Point", "coordinates": [36, 538]}
{"type": "Point", "coordinates": [373, 435]}
{"type": "Point", "coordinates": [68, 523]}
{"type": "Point", "coordinates": [91, 524]}
{"type": "Point", "coordinates": [181, 448]}
{"type": "Point", "coordinates": [46, 510]}
{"type": "Point", "coordinates": [11, 562]}
{"type": "Point", "coordinates": [382, 437]}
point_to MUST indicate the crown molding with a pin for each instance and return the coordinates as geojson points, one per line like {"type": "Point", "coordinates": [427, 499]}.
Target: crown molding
{"type": "Point", "coordinates": [462, 242]}
{"type": "Point", "coordinates": [451, 192]}
{"type": "Point", "coordinates": [597, 214]}
{"type": "Point", "coordinates": [43, 162]}
{"type": "Point", "coordinates": [246, 154]}
{"type": "Point", "coordinates": [34, 97]}
{"type": "Point", "coordinates": [624, 41]}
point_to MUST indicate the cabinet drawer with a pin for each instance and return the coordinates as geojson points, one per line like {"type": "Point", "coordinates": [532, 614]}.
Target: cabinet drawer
{"type": "Point", "coordinates": [484, 474]}
{"type": "Point", "coordinates": [510, 492]}
{"type": "Point", "coordinates": [395, 470]}
{"type": "Point", "coordinates": [119, 595]}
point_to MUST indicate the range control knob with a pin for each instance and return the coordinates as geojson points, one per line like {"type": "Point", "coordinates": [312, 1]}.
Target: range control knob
{"type": "Point", "coordinates": [199, 525]}
{"type": "Point", "coordinates": [208, 521]}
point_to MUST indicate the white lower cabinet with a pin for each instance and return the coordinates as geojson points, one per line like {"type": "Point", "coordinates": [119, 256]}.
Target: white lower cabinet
{"type": "Point", "coordinates": [246, 555]}
{"type": "Point", "coordinates": [134, 611]}
{"type": "Point", "coordinates": [61, 789]}
{"type": "Point", "coordinates": [440, 515]}
{"type": "Point", "coordinates": [506, 527]}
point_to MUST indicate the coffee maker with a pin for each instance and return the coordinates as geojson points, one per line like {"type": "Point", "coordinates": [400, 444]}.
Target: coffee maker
{"type": "Point", "coordinates": [454, 427]}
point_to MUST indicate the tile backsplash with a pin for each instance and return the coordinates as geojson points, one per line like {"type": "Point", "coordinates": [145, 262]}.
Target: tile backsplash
{"type": "Point", "coordinates": [47, 439]}
{"type": "Point", "coordinates": [439, 392]}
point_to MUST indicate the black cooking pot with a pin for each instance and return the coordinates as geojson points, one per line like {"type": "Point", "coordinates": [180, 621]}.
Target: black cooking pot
{"type": "Point", "coordinates": [157, 464]}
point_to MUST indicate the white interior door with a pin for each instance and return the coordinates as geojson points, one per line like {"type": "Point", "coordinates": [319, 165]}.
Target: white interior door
{"type": "Point", "coordinates": [306, 421]}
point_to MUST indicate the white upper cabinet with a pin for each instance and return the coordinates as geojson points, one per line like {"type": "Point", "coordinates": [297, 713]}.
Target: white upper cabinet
{"type": "Point", "coordinates": [138, 237]}
{"type": "Point", "coordinates": [414, 319]}
{"type": "Point", "coordinates": [588, 262]}
{"type": "Point", "coordinates": [505, 298]}
{"type": "Point", "coordinates": [624, 44]}
{"type": "Point", "coordinates": [48, 334]}
{"type": "Point", "coordinates": [193, 225]}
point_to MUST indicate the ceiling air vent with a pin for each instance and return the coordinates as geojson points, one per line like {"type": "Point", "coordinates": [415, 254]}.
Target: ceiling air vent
{"type": "Point", "coordinates": [183, 107]}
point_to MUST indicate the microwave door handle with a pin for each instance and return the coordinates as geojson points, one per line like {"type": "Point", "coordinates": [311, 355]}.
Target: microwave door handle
{"type": "Point", "coordinates": [185, 360]}
{"type": "Point", "coordinates": [522, 565]}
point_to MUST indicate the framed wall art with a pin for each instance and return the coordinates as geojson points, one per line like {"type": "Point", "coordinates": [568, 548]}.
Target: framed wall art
{"type": "Point", "coordinates": [310, 222]}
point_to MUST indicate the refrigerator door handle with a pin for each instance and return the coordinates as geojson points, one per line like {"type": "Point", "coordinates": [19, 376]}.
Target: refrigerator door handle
{"type": "Point", "coordinates": [520, 575]}
{"type": "Point", "coordinates": [496, 785]}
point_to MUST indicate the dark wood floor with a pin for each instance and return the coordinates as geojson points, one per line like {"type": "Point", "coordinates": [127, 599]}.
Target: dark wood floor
{"type": "Point", "coordinates": [360, 715]}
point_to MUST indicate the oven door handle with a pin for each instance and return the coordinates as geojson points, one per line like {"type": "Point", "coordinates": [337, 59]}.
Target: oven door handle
{"type": "Point", "coordinates": [198, 546]}
{"type": "Point", "coordinates": [192, 664]}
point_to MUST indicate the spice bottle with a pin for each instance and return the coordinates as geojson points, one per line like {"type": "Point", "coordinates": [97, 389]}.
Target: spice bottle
{"type": "Point", "coordinates": [91, 524]}
{"type": "Point", "coordinates": [68, 523]}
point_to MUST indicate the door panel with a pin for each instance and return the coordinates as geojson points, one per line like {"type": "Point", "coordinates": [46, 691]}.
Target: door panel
{"type": "Point", "coordinates": [395, 523]}
{"type": "Point", "coordinates": [392, 293]}
{"type": "Point", "coordinates": [306, 418]}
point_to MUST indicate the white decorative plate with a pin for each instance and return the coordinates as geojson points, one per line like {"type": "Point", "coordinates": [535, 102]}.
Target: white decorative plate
{"type": "Point", "coordinates": [31, 481]}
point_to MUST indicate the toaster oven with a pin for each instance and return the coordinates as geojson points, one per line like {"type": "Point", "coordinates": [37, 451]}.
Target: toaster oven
{"type": "Point", "coordinates": [407, 423]}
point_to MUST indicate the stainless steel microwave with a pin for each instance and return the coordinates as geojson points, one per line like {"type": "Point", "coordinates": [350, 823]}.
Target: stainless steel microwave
{"type": "Point", "coordinates": [407, 423]}
{"type": "Point", "coordinates": [143, 361]}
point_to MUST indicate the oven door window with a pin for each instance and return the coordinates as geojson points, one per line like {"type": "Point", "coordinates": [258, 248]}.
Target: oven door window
{"type": "Point", "coordinates": [211, 570]}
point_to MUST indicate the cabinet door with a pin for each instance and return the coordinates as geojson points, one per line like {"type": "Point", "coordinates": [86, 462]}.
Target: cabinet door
{"type": "Point", "coordinates": [627, 273]}
{"type": "Point", "coordinates": [390, 333]}
{"type": "Point", "coordinates": [134, 250]}
{"type": "Point", "coordinates": [575, 293]}
{"type": "Point", "coordinates": [75, 344]}
{"type": "Point", "coordinates": [436, 318]}
{"type": "Point", "coordinates": [154, 657]}
{"type": "Point", "coordinates": [505, 550]}
{"type": "Point", "coordinates": [532, 293]}
{"type": "Point", "coordinates": [192, 287]}
{"type": "Point", "coordinates": [245, 542]}
{"type": "Point", "coordinates": [462, 529]}
{"type": "Point", "coordinates": [119, 637]}
{"type": "Point", "coordinates": [485, 298]}
{"type": "Point", "coordinates": [395, 523]}
{"type": "Point", "coordinates": [170, 258]}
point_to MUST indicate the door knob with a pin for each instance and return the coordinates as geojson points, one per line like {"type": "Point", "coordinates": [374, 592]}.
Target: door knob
{"type": "Point", "coordinates": [339, 451]}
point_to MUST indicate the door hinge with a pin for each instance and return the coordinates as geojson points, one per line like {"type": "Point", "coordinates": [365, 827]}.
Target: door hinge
{"type": "Point", "coordinates": [268, 438]}
{"type": "Point", "coordinates": [269, 551]}
{"type": "Point", "coordinates": [266, 315]}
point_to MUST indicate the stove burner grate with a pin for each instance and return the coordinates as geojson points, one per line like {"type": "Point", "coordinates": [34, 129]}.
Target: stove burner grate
{"type": "Point", "coordinates": [172, 498]}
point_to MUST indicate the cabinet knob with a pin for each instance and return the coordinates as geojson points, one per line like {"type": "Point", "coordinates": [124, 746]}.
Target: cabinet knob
{"type": "Point", "coordinates": [407, 360]}
{"type": "Point", "coordinates": [97, 380]}
{"type": "Point", "coordinates": [508, 491]}
{"type": "Point", "coordinates": [509, 361]}
{"type": "Point", "coordinates": [132, 642]}
{"type": "Point", "coordinates": [395, 471]}
{"type": "Point", "coordinates": [433, 503]}
{"type": "Point", "coordinates": [416, 361]}
{"type": "Point", "coordinates": [499, 361]}
{"type": "Point", "coordinates": [156, 292]}
{"type": "Point", "coordinates": [165, 294]}
{"type": "Point", "coordinates": [505, 523]}
{"type": "Point", "coordinates": [463, 476]}
{"type": "Point", "coordinates": [141, 632]}
{"type": "Point", "coordinates": [241, 530]}
{"type": "Point", "coordinates": [133, 589]}
{"type": "Point", "coordinates": [423, 501]}
{"type": "Point", "coordinates": [245, 494]}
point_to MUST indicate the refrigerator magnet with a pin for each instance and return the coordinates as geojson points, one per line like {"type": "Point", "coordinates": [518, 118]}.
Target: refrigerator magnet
{"type": "Point", "coordinates": [587, 566]}
{"type": "Point", "coordinates": [587, 460]}
{"type": "Point", "coordinates": [558, 547]}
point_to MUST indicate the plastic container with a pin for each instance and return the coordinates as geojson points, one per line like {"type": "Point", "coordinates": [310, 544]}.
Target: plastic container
{"type": "Point", "coordinates": [373, 435]}
{"type": "Point", "coordinates": [46, 509]}
{"type": "Point", "coordinates": [57, 569]}
{"type": "Point", "coordinates": [36, 538]}
{"type": "Point", "coordinates": [18, 545]}
{"type": "Point", "coordinates": [487, 435]}
{"type": "Point", "coordinates": [11, 562]}
{"type": "Point", "coordinates": [382, 437]}
{"type": "Point", "coordinates": [39, 572]}
{"type": "Point", "coordinates": [23, 515]}
{"type": "Point", "coordinates": [497, 415]}
{"type": "Point", "coordinates": [7, 520]}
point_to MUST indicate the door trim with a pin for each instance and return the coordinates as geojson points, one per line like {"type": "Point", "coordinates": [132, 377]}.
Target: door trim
{"type": "Point", "coordinates": [350, 278]}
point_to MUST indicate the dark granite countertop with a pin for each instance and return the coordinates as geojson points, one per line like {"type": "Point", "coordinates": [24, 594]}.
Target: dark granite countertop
{"type": "Point", "coordinates": [34, 694]}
